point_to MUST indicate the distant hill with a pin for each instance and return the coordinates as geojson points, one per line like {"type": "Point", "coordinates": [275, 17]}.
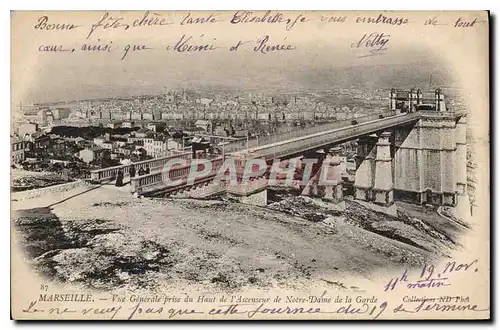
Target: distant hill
{"type": "Point", "coordinates": [310, 75]}
{"type": "Point", "coordinates": [380, 76]}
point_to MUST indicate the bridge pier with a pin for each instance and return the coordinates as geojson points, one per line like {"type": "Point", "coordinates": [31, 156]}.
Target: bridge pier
{"type": "Point", "coordinates": [312, 186]}
{"type": "Point", "coordinates": [430, 160]}
{"type": "Point", "coordinates": [258, 199]}
{"type": "Point", "coordinates": [253, 192]}
{"type": "Point", "coordinates": [383, 182]}
{"type": "Point", "coordinates": [332, 179]}
{"type": "Point", "coordinates": [365, 157]}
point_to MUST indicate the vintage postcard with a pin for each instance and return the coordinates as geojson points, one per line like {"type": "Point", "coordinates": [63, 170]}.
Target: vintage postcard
{"type": "Point", "coordinates": [250, 165]}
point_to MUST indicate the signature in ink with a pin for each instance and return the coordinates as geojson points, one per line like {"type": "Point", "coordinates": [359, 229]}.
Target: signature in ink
{"type": "Point", "coordinates": [375, 43]}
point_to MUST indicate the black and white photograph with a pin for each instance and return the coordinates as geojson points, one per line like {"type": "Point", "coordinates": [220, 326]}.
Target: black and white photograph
{"type": "Point", "coordinates": [183, 165]}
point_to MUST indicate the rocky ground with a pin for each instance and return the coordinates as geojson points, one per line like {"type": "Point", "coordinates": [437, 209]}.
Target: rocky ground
{"type": "Point", "coordinates": [23, 180]}
{"type": "Point", "coordinates": [106, 239]}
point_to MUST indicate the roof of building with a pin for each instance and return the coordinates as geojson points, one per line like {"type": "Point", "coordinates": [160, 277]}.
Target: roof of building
{"type": "Point", "coordinates": [198, 139]}
{"type": "Point", "coordinates": [95, 149]}
{"type": "Point", "coordinates": [39, 135]}
{"type": "Point", "coordinates": [159, 139]}
{"type": "Point", "coordinates": [202, 122]}
{"type": "Point", "coordinates": [29, 123]}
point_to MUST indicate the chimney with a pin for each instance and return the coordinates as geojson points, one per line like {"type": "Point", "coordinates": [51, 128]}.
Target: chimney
{"type": "Point", "coordinates": [393, 99]}
{"type": "Point", "coordinates": [438, 99]}
{"type": "Point", "coordinates": [419, 96]}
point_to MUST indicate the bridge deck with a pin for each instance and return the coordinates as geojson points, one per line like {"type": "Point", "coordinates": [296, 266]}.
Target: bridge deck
{"type": "Point", "coordinates": [294, 146]}
{"type": "Point", "coordinates": [337, 135]}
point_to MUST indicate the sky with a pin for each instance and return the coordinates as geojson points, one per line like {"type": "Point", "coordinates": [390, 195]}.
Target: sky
{"type": "Point", "coordinates": [70, 81]}
{"type": "Point", "coordinates": [323, 58]}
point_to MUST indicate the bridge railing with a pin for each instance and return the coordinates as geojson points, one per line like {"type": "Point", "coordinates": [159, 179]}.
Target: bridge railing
{"type": "Point", "coordinates": [337, 134]}
{"type": "Point", "coordinates": [173, 177]}
{"type": "Point", "coordinates": [108, 173]}
{"type": "Point", "coordinates": [145, 180]}
{"type": "Point", "coordinates": [298, 132]}
{"type": "Point", "coordinates": [443, 114]}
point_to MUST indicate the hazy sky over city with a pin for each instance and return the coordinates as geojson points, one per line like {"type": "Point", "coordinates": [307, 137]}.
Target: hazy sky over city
{"type": "Point", "coordinates": [318, 69]}
{"type": "Point", "coordinates": [323, 57]}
